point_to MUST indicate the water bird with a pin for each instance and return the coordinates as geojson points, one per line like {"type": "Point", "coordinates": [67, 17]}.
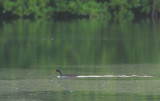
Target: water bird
{"type": "Point", "coordinates": [65, 75]}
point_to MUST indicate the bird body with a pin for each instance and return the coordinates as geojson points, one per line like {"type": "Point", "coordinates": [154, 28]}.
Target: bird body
{"type": "Point", "coordinates": [65, 75]}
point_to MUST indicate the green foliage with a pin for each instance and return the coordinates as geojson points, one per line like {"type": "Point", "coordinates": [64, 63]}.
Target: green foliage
{"type": "Point", "coordinates": [23, 8]}
{"type": "Point", "coordinates": [134, 3]}
{"type": "Point", "coordinates": [94, 9]}
{"type": "Point", "coordinates": [146, 6]}
{"type": "Point", "coordinates": [121, 9]}
{"type": "Point", "coordinates": [116, 9]}
{"type": "Point", "coordinates": [82, 7]}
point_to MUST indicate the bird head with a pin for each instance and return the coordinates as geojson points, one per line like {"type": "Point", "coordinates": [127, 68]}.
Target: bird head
{"type": "Point", "coordinates": [57, 70]}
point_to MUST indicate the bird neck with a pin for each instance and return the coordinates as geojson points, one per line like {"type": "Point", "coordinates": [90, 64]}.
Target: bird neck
{"type": "Point", "coordinates": [60, 73]}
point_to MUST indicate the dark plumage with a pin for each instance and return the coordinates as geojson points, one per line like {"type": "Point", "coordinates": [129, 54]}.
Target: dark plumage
{"type": "Point", "coordinates": [65, 75]}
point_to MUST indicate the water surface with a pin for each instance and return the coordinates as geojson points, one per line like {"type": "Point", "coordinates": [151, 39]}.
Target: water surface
{"type": "Point", "coordinates": [115, 62]}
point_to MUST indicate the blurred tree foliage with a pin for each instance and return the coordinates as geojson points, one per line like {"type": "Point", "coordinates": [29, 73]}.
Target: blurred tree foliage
{"type": "Point", "coordinates": [115, 9]}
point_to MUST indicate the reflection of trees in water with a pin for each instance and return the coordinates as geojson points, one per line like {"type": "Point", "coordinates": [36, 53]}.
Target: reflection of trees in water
{"type": "Point", "coordinates": [154, 13]}
{"type": "Point", "coordinates": [154, 10]}
{"type": "Point", "coordinates": [154, 17]}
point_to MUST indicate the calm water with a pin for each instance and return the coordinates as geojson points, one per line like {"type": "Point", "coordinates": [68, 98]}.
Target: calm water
{"type": "Point", "coordinates": [115, 62]}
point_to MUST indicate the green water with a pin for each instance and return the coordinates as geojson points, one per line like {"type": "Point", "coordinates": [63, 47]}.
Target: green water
{"type": "Point", "coordinates": [31, 50]}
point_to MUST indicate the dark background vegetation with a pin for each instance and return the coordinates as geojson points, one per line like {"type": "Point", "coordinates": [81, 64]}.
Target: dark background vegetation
{"type": "Point", "coordinates": [110, 9]}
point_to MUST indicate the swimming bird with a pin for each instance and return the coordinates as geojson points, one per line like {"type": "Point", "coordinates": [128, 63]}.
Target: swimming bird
{"type": "Point", "coordinates": [65, 75]}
